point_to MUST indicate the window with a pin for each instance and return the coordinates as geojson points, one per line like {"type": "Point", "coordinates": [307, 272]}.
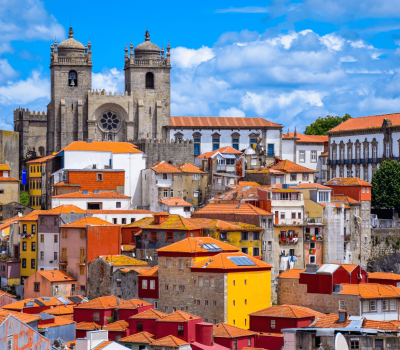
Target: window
{"type": "Point", "coordinates": [55, 255]}
{"type": "Point", "coordinates": [33, 228]}
{"type": "Point", "coordinates": [149, 80]}
{"type": "Point", "coordinates": [170, 236]}
{"type": "Point", "coordinates": [378, 344]}
{"type": "Point", "coordinates": [165, 193]}
{"type": "Point", "coordinates": [114, 221]}
{"type": "Point", "coordinates": [387, 153]}
{"type": "Point", "coordinates": [293, 177]}
{"type": "Point", "coordinates": [256, 236]}
{"type": "Point", "coordinates": [293, 215]}
{"type": "Point", "coordinates": [244, 236]}
{"type": "Point", "coordinates": [317, 342]}
{"type": "Point", "coordinates": [81, 270]}
{"type": "Point", "coordinates": [83, 234]}
{"type": "Point", "coordinates": [42, 221]}
{"type": "Point", "coordinates": [118, 205]}
{"type": "Point", "coordinates": [144, 284]}
{"type": "Point", "coordinates": [393, 304]}
{"type": "Point", "coordinates": [235, 143]}
{"type": "Point", "coordinates": [354, 344]}
{"type": "Point", "coordinates": [64, 234]}
{"type": "Point", "coordinates": [24, 246]}
{"type": "Point", "coordinates": [152, 284]}
{"type": "Point", "coordinates": [33, 263]}
{"type": "Point", "coordinates": [10, 342]}
{"type": "Point", "coordinates": [205, 302]}
{"type": "Point", "coordinates": [249, 339]}
{"type": "Point", "coordinates": [166, 287]}
{"type": "Point", "coordinates": [180, 330]}
{"type": "Point", "coordinates": [245, 250]}
{"type": "Point", "coordinates": [180, 264]}
{"type": "Point", "coordinates": [282, 214]}
{"type": "Point", "coordinates": [99, 176]}
{"type": "Point", "coordinates": [24, 227]}
{"type": "Point", "coordinates": [153, 236]}
{"type": "Point", "coordinates": [215, 142]}
{"type": "Point", "coordinates": [272, 324]}
{"type": "Point", "coordinates": [169, 264]}
{"type": "Point", "coordinates": [41, 255]}
{"type": "Point", "coordinates": [72, 78]}
{"type": "Point", "coordinates": [200, 281]}
{"type": "Point", "coordinates": [33, 246]}
{"type": "Point", "coordinates": [123, 222]}
{"type": "Point", "coordinates": [269, 246]}
{"type": "Point", "coordinates": [341, 305]}
{"type": "Point", "coordinates": [24, 263]}
{"type": "Point", "coordinates": [235, 342]}
{"type": "Point", "coordinates": [245, 301]}
{"type": "Point", "coordinates": [323, 197]}
{"type": "Point", "coordinates": [302, 156]}
{"type": "Point", "coordinates": [41, 238]}
{"type": "Point", "coordinates": [212, 282]}
{"type": "Point", "coordinates": [313, 156]}
{"type": "Point", "coordinates": [305, 177]}
{"type": "Point", "coordinates": [196, 141]}
{"type": "Point", "coordinates": [139, 326]}
{"type": "Point", "coordinates": [312, 259]}
{"type": "Point", "coordinates": [96, 316]}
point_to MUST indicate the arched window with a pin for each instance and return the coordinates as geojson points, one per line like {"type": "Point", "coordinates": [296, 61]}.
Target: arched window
{"type": "Point", "coordinates": [72, 78]}
{"type": "Point", "coordinates": [149, 80]}
{"type": "Point", "coordinates": [197, 143]}
{"type": "Point", "coordinates": [215, 141]}
{"type": "Point", "coordinates": [178, 136]}
{"type": "Point", "coordinates": [235, 140]}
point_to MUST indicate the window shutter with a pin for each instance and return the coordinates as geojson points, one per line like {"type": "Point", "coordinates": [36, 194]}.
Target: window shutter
{"type": "Point", "coordinates": [373, 305]}
{"type": "Point", "coordinates": [393, 305]}
{"type": "Point", "coordinates": [365, 306]}
{"type": "Point", "coordinates": [385, 305]}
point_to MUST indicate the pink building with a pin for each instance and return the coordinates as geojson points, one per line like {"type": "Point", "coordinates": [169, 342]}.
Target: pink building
{"type": "Point", "coordinates": [6, 298]}
{"type": "Point", "coordinates": [49, 283]}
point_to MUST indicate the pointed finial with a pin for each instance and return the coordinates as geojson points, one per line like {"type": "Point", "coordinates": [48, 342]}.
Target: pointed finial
{"type": "Point", "coordinates": [131, 47]}
{"type": "Point", "coordinates": [89, 45]}
{"type": "Point", "coordinates": [70, 33]}
{"type": "Point", "coordinates": [147, 36]}
{"type": "Point", "coordinates": [52, 47]}
{"type": "Point", "coordinates": [162, 50]}
{"type": "Point", "coordinates": [55, 42]}
{"type": "Point", "coordinates": [168, 47]}
{"type": "Point", "coordinates": [126, 49]}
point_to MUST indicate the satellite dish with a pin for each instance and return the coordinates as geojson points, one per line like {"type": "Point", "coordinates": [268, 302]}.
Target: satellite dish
{"type": "Point", "coordinates": [340, 342]}
{"type": "Point", "coordinates": [133, 254]}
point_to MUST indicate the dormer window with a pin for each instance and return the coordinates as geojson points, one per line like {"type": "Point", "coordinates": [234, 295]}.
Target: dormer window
{"type": "Point", "coordinates": [149, 80]}
{"type": "Point", "coordinates": [72, 78]}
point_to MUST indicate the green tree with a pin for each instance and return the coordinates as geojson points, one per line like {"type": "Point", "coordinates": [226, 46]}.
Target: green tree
{"type": "Point", "coordinates": [24, 198]}
{"type": "Point", "coordinates": [322, 125]}
{"type": "Point", "coordinates": [386, 186]}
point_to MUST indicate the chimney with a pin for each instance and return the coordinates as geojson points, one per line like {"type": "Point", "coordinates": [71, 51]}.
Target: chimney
{"type": "Point", "coordinates": [204, 333]}
{"type": "Point", "coordinates": [159, 218]}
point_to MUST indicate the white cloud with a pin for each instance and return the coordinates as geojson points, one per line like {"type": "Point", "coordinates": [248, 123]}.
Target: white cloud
{"type": "Point", "coordinates": [183, 57]}
{"type": "Point", "coordinates": [246, 9]}
{"type": "Point", "coordinates": [231, 112]}
{"type": "Point", "coordinates": [109, 79]}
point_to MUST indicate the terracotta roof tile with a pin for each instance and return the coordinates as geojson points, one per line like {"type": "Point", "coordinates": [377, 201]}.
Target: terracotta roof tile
{"type": "Point", "coordinates": [140, 223]}
{"type": "Point", "coordinates": [142, 337]}
{"type": "Point", "coordinates": [6, 223]}
{"type": "Point", "coordinates": [122, 260]}
{"type": "Point", "coordinates": [138, 269]}
{"type": "Point", "coordinates": [242, 192]}
{"type": "Point", "coordinates": [292, 273]}
{"type": "Point", "coordinates": [102, 345]}
{"type": "Point", "coordinates": [132, 304]}
{"type": "Point", "coordinates": [60, 310]}
{"type": "Point", "coordinates": [100, 303]}
{"type": "Point", "coordinates": [222, 261]}
{"type": "Point", "coordinates": [347, 181]}
{"type": "Point", "coordinates": [344, 199]}
{"type": "Point", "coordinates": [384, 276]}
{"type": "Point", "coordinates": [288, 166]}
{"type": "Point", "coordinates": [8, 179]}
{"type": "Point", "coordinates": [32, 216]}
{"type": "Point", "coordinates": [117, 211]}
{"type": "Point", "coordinates": [102, 146]}
{"type": "Point", "coordinates": [195, 245]}
{"type": "Point", "coordinates": [288, 311]}
{"type": "Point", "coordinates": [128, 247]}
{"type": "Point", "coordinates": [86, 221]}
{"type": "Point", "coordinates": [64, 209]}
{"type": "Point", "coordinates": [87, 326]}
{"type": "Point", "coordinates": [4, 167]}
{"type": "Point", "coordinates": [57, 321]}
{"type": "Point", "coordinates": [371, 290]}
{"type": "Point", "coordinates": [190, 168]}
{"type": "Point", "coordinates": [236, 209]}
{"type": "Point", "coordinates": [172, 222]}
{"type": "Point", "coordinates": [301, 138]}
{"type": "Point", "coordinates": [164, 167]}
{"type": "Point", "coordinates": [227, 122]}
{"type": "Point", "coordinates": [24, 317]}
{"type": "Point", "coordinates": [149, 314]}
{"type": "Point", "coordinates": [40, 160]}
{"type": "Point", "coordinates": [55, 275]}
{"type": "Point", "coordinates": [179, 316]}
{"type": "Point", "coordinates": [152, 272]}
{"type": "Point", "coordinates": [223, 330]}
{"type": "Point", "coordinates": [91, 194]}
{"type": "Point", "coordinates": [117, 326]}
{"type": "Point", "coordinates": [175, 202]}
{"type": "Point", "coordinates": [222, 150]}
{"type": "Point", "coordinates": [215, 224]}
{"type": "Point", "coordinates": [329, 321]}
{"type": "Point", "coordinates": [18, 305]}
{"type": "Point", "coordinates": [371, 122]}
{"type": "Point", "coordinates": [168, 341]}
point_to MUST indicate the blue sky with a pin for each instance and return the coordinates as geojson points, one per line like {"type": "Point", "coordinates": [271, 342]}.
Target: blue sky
{"type": "Point", "coordinates": [289, 61]}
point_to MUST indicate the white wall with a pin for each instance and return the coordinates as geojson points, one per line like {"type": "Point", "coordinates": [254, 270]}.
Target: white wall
{"type": "Point", "coordinates": [110, 216]}
{"type": "Point", "coordinates": [379, 315]}
{"type": "Point", "coordinates": [108, 203]}
{"type": "Point", "coordinates": [288, 149]}
{"type": "Point", "coordinates": [308, 148]}
{"type": "Point", "coordinates": [48, 247]}
{"type": "Point", "coordinates": [83, 159]}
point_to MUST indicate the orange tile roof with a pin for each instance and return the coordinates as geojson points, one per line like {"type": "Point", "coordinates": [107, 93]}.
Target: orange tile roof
{"type": "Point", "coordinates": [371, 290]}
{"type": "Point", "coordinates": [8, 179]}
{"type": "Point", "coordinates": [128, 247]}
{"type": "Point", "coordinates": [172, 222]}
{"type": "Point", "coordinates": [142, 337]}
{"type": "Point", "coordinates": [24, 317]}
{"type": "Point", "coordinates": [288, 311]}
{"type": "Point", "coordinates": [7, 294]}
{"type": "Point", "coordinates": [86, 221]}
{"type": "Point", "coordinates": [329, 321]}
{"type": "Point", "coordinates": [384, 276]}
{"type": "Point", "coordinates": [117, 326]}
{"type": "Point", "coordinates": [248, 183]}
{"type": "Point", "coordinates": [139, 270]}
{"type": "Point", "coordinates": [245, 192]}
{"type": "Point", "coordinates": [102, 146]}
{"type": "Point", "coordinates": [87, 326]}
{"type": "Point", "coordinates": [32, 216]}
{"type": "Point", "coordinates": [132, 304]}
{"type": "Point", "coordinates": [64, 209]}
{"type": "Point", "coordinates": [100, 303]}
{"type": "Point", "coordinates": [149, 314]}
{"type": "Point", "coordinates": [40, 160]}
{"type": "Point", "coordinates": [57, 321]}
{"type": "Point", "coordinates": [117, 211]}
{"type": "Point", "coordinates": [290, 167]}
{"type": "Point", "coordinates": [227, 122]}
{"type": "Point", "coordinates": [292, 273]}
{"type": "Point", "coordinates": [91, 194]}
{"type": "Point", "coordinates": [190, 168]}
{"type": "Point", "coordinates": [7, 223]}
{"type": "Point", "coordinates": [122, 260]}
{"type": "Point", "coordinates": [236, 209]}
{"type": "Point", "coordinates": [222, 262]}
{"type": "Point", "coordinates": [71, 344]}
{"type": "Point", "coordinates": [370, 122]}
{"type": "Point", "coordinates": [152, 272]}
{"type": "Point", "coordinates": [175, 202]}
{"type": "Point", "coordinates": [87, 180]}
{"type": "Point", "coordinates": [222, 150]}
{"type": "Point", "coordinates": [56, 276]}
{"type": "Point", "coordinates": [63, 184]}
{"type": "Point", "coordinates": [18, 305]}
{"type": "Point", "coordinates": [102, 345]}
{"type": "Point", "coordinates": [301, 138]}
{"type": "Point", "coordinates": [4, 167]}
{"type": "Point", "coordinates": [348, 267]}
{"type": "Point", "coordinates": [60, 310]}
{"type": "Point", "coordinates": [164, 167]}
{"type": "Point", "coordinates": [179, 316]}
{"type": "Point", "coordinates": [140, 223]}
{"type": "Point", "coordinates": [223, 330]}
{"type": "Point", "coordinates": [168, 341]}
{"type": "Point", "coordinates": [344, 199]}
{"type": "Point", "coordinates": [215, 224]}
{"type": "Point", "coordinates": [347, 181]}
{"type": "Point", "coordinates": [393, 326]}
{"type": "Point", "coordinates": [194, 245]}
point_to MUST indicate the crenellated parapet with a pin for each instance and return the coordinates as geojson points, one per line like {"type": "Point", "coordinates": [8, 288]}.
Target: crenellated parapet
{"type": "Point", "coordinates": [24, 114]}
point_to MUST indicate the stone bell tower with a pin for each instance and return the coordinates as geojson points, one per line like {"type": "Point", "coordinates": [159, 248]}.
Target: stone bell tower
{"type": "Point", "coordinates": [71, 79]}
{"type": "Point", "coordinates": [147, 79]}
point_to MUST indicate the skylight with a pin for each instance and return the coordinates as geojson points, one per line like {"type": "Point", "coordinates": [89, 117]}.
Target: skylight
{"type": "Point", "coordinates": [241, 261]}
{"type": "Point", "coordinates": [211, 247]}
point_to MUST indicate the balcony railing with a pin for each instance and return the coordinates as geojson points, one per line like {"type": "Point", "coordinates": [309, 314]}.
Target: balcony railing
{"type": "Point", "coordinates": [314, 220]}
{"type": "Point", "coordinates": [164, 183]}
{"type": "Point", "coordinates": [289, 222]}
{"type": "Point", "coordinates": [288, 238]}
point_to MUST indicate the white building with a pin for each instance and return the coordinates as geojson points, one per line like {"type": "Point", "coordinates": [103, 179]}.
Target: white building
{"type": "Point", "coordinates": [304, 150]}
{"type": "Point", "coordinates": [108, 155]}
{"type": "Point", "coordinates": [359, 145]}
{"type": "Point", "coordinates": [175, 206]}
{"type": "Point", "coordinates": [93, 200]}
{"type": "Point", "coordinates": [121, 217]}
{"type": "Point", "coordinates": [287, 172]}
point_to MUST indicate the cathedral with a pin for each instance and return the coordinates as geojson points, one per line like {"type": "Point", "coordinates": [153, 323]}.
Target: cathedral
{"type": "Point", "coordinates": [76, 112]}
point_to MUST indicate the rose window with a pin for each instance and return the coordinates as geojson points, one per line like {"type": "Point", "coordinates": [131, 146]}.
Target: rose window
{"type": "Point", "coordinates": [109, 121]}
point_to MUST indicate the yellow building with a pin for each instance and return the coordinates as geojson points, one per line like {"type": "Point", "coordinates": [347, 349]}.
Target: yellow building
{"type": "Point", "coordinates": [29, 244]}
{"type": "Point", "coordinates": [35, 183]}
{"type": "Point", "coordinates": [246, 237]}
{"type": "Point", "coordinates": [9, 187]}
{"type": "Point", "coordinates": [212, 279]}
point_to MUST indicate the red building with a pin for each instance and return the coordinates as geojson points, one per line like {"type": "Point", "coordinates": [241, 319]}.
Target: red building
{"type": "Point", "coordinates": [145, 321]}
{"type": "Point", "coordinates": [100, 310]}
{"type": "Point", "coordinates": [132, 307]}
{"type": "Point", "coordinates": [232, 337]}
{"type": "Point", "coordinates": [147, 279]}
{"type": "Point", "coordinates": [82, 327]}
{"type": "Point", "coordinates": [353, 187]}
{"type": "Point", "coordinates": [270, 341]}
{"type": "Point", "coordinates": [204, 340]}
{"type": "Point", "coordinates": [277, 317]}
{"type": "Point", "coordinates": [180, 324]}
{"type": "Point", "coordinates": [384, 278]}
{"type": "Point", "coordinates": [117, 330]}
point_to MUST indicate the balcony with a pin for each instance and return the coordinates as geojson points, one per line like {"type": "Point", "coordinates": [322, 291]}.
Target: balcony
{"type": "Point", "coordinates": [314, 220]}
{"type": "Point", "coordinates": [164, 183]}
{"type": "Point", "coordinates": [288, 222]}
{"type": "Point", "coordinates": [289, 237]}
{"type": "Point", "coordinates": [347, 238]}
{"type": "Point", "coordinates": [314, 238]}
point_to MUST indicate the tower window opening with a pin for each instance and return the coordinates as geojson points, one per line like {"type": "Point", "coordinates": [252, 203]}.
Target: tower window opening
{"type": "Point", "coordinates": [149, 80]}
{"type": "Point", "coordinates": [72, 78]}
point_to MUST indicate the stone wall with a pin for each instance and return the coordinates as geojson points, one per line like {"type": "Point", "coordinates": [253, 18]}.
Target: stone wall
{"type": "Point", "coordinates": [125, 284]}
{"type": "Point", "coordinates": [192, 298]}
{"type": "Point", "coordinates": [171, 151]}
{"type": "Point", "coordinates": [9, 151]}
{"type": "Point", "coordinates": [12, 209]}
{"type": "Point", "coordinates": [261, 178]}
{"type": "Point", "coordinates": [292, 293]}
